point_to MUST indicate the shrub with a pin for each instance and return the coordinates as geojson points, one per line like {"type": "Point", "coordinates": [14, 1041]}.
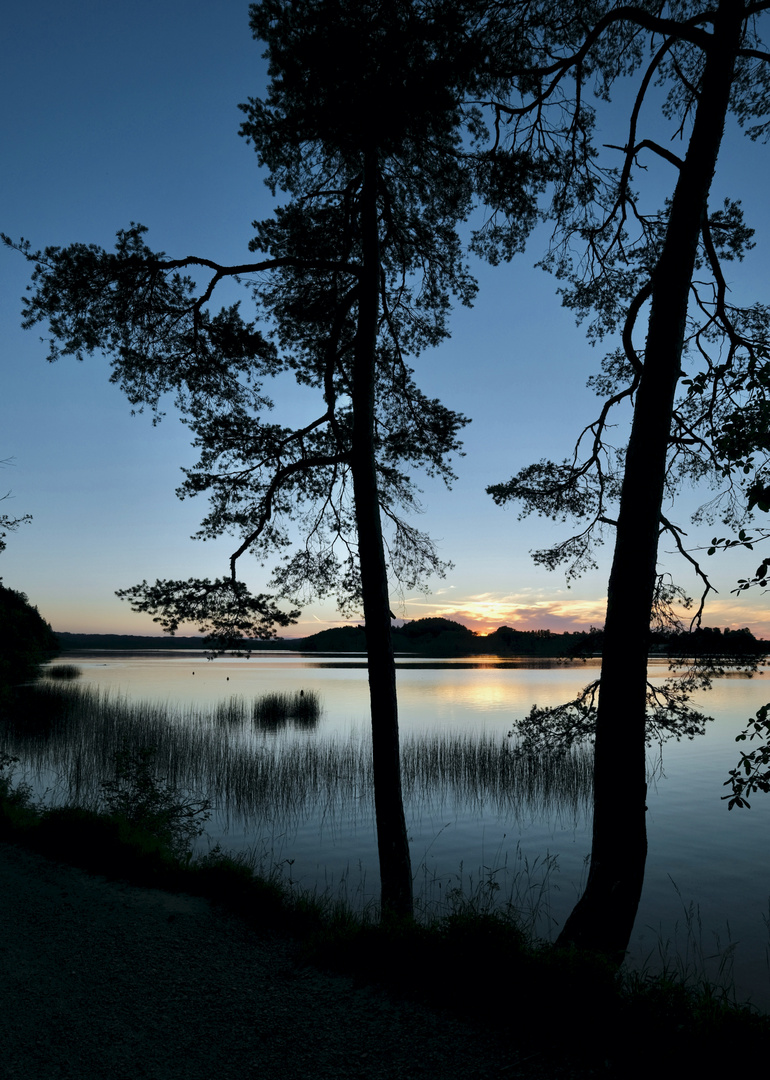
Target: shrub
{"type": "Point", "coordinates": [15, 799]}
{"type": "Point", "coordinates": [150, 804]}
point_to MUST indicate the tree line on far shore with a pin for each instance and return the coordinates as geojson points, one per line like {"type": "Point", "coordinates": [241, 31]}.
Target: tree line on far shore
{"type": "Point", "coordinates": [446, 637]}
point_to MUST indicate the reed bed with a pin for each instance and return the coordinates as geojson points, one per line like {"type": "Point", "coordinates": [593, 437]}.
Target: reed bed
{"type": "Point", "coordinates": [63, 672]}
{"type": "Point", "coordinates": [67, 737]}
{"type": "Point", "coordinates": [484, 770]}
{"type": "Point", "coordinates": [302, 709]}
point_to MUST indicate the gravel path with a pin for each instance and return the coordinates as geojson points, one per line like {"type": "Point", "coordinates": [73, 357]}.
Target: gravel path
{"type": "Point", "coordinates": [101, 979]}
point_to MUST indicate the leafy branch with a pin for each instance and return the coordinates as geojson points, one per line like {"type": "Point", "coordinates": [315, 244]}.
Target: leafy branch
{"type": "Point", "coordinates": [752, 773]}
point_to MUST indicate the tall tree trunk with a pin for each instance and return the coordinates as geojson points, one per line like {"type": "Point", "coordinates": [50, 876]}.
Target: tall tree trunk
{"type": "Point", "coordinates": [392, 840]}
{"type": "Point", "coordinates": [604, 916]}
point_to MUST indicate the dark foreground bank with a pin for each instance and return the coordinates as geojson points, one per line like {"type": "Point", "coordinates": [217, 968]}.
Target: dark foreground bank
{"type": "Point", "coordinates": [103, 979]}
{"type": "Point", "coordinates": [142, 964]}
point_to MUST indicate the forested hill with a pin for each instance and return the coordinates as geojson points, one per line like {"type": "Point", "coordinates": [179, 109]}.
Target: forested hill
{"type": "Point", "coordinates": [444, 637]}
{"type": "Point", "coordinates": [26, 640]}
{"type": "Point", "coordinates": [431, 637]}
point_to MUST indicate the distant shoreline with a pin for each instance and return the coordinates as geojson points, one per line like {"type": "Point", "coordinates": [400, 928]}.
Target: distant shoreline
{"type": "Point", "coordinates": [443, 638]}
{"type": "Point", "coordinates": [425, 637]}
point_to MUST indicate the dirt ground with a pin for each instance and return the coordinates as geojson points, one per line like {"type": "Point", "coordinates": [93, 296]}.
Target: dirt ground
{"type": "Point", "coordinates": [102, 979]}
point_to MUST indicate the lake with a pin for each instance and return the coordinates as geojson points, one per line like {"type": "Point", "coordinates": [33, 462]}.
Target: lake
{"type": "Point", "coordinates": [702, 858]}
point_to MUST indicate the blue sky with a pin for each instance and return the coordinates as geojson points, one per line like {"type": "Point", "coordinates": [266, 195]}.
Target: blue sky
{"type": "Point", "coordinates": [119, 113]}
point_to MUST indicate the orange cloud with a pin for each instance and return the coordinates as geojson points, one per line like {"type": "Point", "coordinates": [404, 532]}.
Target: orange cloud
{"type": "Point", "coordinates": [532, 610]}
{"type": "Point", "coordinates": [750, 610]}
{"type": "Point", "coordinates": [484, 612]}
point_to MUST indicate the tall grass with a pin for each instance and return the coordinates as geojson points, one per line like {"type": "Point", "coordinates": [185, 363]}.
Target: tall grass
{"type": "Point", "coordinates": [272, 712]}
{"type": "Point", "coordinates": [487, 771]}
{"type": "Point", "coordinates": [63, 672]}
{"type": "Point", "coordinates": [67, 737]}
{"type": "Point", "coordinates": [301, 709]}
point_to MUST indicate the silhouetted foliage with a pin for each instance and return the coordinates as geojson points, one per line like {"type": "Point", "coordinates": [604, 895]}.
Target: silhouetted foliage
{"type": "Point", "coordinates": [432, 627]}
{"type": "Point", "coordinates": [337, 639]}
{"type": "Point", "coordinates": [617, 261]}
{"type": "Point", "coordinates": [26, 640]}
{"type": "Point", "coordinates": [378, 161]}
{"type": "Point", "coordinates": [590, 644]}
{"type": "Point", "coordinates": [8, 523]}
{"type": "Point", "coordinates": [148, 803]}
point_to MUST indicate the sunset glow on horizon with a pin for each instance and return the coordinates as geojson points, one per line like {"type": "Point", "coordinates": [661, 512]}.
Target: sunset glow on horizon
{"type": "Point", "coordinates": [566, 616]}
{"type": "Point", "coordinates": [483, 613]}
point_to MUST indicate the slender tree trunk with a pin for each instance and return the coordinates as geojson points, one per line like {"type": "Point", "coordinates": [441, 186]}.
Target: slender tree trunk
{"type": "Point", "coordinates": [392, 840]}
{"type": "Point", "coordinates": [604, 916]}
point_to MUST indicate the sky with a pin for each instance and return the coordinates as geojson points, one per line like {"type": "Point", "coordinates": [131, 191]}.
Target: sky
{"type": "Point", "coordinates": [117, 113]}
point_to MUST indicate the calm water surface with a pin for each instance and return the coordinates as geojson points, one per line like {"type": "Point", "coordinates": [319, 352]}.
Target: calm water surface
{"type": "Point", "coordinates": [700, 853]}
